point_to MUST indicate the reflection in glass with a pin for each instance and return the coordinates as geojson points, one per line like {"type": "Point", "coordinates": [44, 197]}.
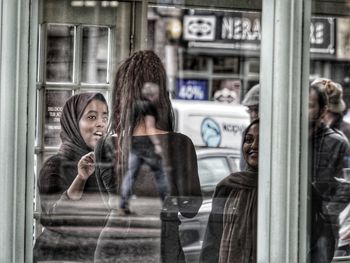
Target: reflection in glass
{"type": "Point", "coordinates": [329, 132]}
{"type": "Point", "coordinates": [59, 57]}
{"type": "Point", "coordinates": [54, 101]}
{"type": "Point", "coordinates": [95, 55]}
{"type": "Point", "coordinates": [212, 170]}
{"type": "Point", "coordinates": [227, 90]}
{"type": "Point", "coordinates": [226, 65]}
{"type": "Point", "coordinates": [195, 63]}
{"type": "Point", "coordinates": [329, 155]}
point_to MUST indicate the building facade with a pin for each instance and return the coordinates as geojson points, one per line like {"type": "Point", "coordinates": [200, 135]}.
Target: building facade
{"type": "Point", "coordinates": [53, 49]}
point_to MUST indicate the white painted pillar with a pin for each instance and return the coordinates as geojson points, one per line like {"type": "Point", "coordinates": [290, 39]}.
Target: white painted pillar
{"type": "Point", "coordinates": [14, 95]}
{"type": "Point", "coordinates": [283, 131]}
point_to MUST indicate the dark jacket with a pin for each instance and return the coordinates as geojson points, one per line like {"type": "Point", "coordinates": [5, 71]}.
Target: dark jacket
{"type": "Point", "coordinates": [345, 128]}
{"type": "Point", "coordinates": [71, 227]}
{"type": "Point", "coordinates": [328, 153]}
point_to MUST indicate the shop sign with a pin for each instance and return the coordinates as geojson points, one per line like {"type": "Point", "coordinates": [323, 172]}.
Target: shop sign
{"type": "Point", "coordinates": [199, 28]}
{"type": "Point", "coordinates": [192, 89]}
{"type": "Point", "coordinates": [322, 35]}
{"type": "Point", "coordinates": [242, 31]}
{"type": "Point", "coordinates": [54, 101]}
{"type": "Point", "coordinates": [234, 31]}
{"type": "Point", "coordinates": [241, 28]}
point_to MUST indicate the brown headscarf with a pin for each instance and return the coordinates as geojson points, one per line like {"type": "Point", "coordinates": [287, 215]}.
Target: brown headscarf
{"type": "Point", "coordinates": [238, 242]}
{"type": "Point", "coordinates": [73, 144]}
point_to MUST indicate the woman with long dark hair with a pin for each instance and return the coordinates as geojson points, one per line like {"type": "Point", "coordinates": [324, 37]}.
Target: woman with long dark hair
{"type": "Point", "coordinates": [142, 133]}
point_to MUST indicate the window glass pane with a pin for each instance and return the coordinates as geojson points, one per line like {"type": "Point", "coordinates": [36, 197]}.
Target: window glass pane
{"type": "Point", "coordinates": [54, 101]}
{"type": "Point", "coordinates": [95, 55]}
{"type": "Point", "coordinates": [74, 59]}
{"type": "Point", "coordinates": [59, 54]}
{"type": "Point", "coordinates": [211, 171]}
{"type": "Point", "coordinates": [210, 60]}
{"type": "Point", "coordinates": [146, 193]}
{"type": "Point", "coordinates": [329, 134]}
{"type": "Point", "coordinates": [226, 65]}
{"type": "Point", "coordinates": [227, 90]}
{"type": "Point", "coordinates": [195, 63]}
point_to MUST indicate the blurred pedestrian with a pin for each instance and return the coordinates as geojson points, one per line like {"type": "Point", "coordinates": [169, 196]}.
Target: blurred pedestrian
{"type": "Point", "coordinates": [144, 110]}
{"type": "Point", "coordinates": [132, 132]}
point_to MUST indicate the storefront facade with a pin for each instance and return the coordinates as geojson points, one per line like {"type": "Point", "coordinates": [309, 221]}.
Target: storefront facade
{"type": "Point", "coordinates": [236, 44]}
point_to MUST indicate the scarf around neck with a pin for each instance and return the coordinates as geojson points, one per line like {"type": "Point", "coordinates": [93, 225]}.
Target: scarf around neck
{"type": "Point", "coordinates": [238, 241]}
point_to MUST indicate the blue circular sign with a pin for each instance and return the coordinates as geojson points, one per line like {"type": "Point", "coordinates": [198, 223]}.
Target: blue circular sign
{"type": "Point", "coordinates": [211, 132]}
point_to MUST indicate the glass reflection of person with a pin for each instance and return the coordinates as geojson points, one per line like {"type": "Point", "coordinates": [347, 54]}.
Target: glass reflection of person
{"type": "Point", "coordinates": [178, 157]}
{"type": "Point", "coordinates": [232, 226]}
{"type": "Point", "coordinates": [327, 154]}
{"type": "Point", "coordinates": [146, 111]}
{"type": "Point", "coordinates": [67, 184]}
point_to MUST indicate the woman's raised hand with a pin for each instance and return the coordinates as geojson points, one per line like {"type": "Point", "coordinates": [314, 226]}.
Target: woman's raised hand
{"type": "Point", "coordinates": [86, 166]}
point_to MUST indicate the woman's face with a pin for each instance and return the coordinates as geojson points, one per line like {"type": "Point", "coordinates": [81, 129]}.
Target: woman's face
{"type": "Point", "coordinates": [251, 146]}
{"type": "Point", "coordinates": [93, 123]}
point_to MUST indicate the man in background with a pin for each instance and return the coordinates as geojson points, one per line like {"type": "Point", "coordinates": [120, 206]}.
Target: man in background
{"type": "Point", "coordinates": [251, 100]}
{"type": "Point", "coordinates": [328, 149]}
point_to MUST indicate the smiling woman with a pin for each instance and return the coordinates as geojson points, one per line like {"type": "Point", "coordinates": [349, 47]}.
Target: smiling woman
{"type": "Point", "coordinates": [251, 146]}
{"type": "Point", "coordinates": [232, 227]}
{"type": "Point", "coordinates": [92, 124]}
{"type": "Point", "coordinates": [67, 184]}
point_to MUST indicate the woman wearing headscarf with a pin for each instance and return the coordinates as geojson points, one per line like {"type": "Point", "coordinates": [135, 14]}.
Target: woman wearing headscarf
{"type": "Point", "coordinates": [232, 225]}
{"type": "Point", "coordinates": [67, 184]}
{"type": "Point", "coordinates": [142, 128]}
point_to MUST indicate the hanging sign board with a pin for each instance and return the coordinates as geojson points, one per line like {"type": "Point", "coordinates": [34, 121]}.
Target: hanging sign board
{"type": "Point", "coordinates": [54, 101]}
{"type": "Point", "coordinates": [242, 31]}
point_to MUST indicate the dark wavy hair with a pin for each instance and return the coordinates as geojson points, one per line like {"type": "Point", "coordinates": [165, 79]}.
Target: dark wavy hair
{"type": "Point", "coordinates": [140, 68]}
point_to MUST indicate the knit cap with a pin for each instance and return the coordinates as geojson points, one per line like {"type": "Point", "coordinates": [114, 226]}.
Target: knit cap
{"type": "Point", "coordinates": [252, 96]}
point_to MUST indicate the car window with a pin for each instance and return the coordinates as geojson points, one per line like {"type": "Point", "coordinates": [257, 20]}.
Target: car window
{"type": "Point", "coordinates": [212, 170]}
{"type": "Point", "coordinates": [234, 163]}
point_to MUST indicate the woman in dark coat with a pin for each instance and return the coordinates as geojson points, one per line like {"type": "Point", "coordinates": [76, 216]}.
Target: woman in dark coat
{"type": "Point", "coordinates": [142, 133]}
{"type": "Point", "coordinates": [232, 226]}
{"type": "Point", "coordinates": [67, 185]}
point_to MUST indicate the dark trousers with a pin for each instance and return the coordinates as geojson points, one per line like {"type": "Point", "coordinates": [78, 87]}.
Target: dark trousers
{"type": "Point", "coordinates": [135, 163]}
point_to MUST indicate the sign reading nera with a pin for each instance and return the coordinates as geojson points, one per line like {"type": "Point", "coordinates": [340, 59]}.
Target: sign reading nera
{"type": "Point", "coordinates": [242, 31]}
{"type": "Point", "coordinates": [237, 28]}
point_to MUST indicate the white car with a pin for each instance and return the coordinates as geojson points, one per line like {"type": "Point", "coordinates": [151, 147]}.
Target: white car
{"type": "Point", "coordinates": [214, 164]}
